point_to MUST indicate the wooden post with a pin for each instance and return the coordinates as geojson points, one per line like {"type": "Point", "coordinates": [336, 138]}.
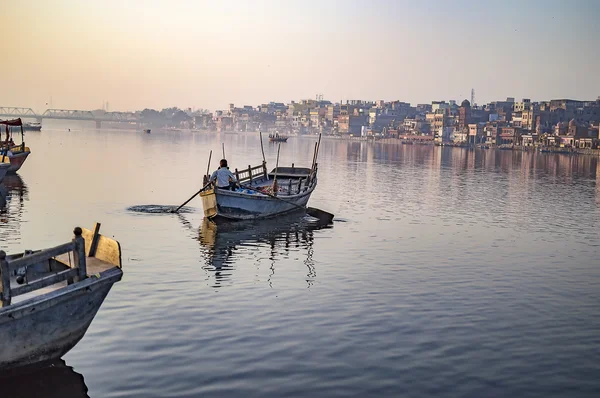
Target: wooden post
{"type": "Point", "coordinates": [300, 184]}
{"type": "Point", "coordinates": [275, 187]}
{"type": "Point", "coordinates": [95, 239]}
{"type": "Point", "coordinates": [265, 170]}
{"type": "Point", "coordinates": [207, 176]}
{"type": "Point", "coordinates": [79, 253]}
{"type": "Point", "coordinates": [5, 282]}
{"type": "Point", "coordinates": [250, 173]}
{"type": "Point", "coordinates": [261, 147]}
{"type": "Point", "coordinates": [237, 175]}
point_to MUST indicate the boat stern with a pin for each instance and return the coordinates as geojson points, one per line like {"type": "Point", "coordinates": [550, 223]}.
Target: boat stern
{"type": "Point", "coordinates": [209, 202]}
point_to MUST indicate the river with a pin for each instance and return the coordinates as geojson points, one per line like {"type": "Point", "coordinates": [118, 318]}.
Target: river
{"type": "Point", "coordinates": [447, 271]}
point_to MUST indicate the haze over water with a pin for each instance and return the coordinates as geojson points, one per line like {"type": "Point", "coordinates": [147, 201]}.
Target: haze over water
{"type": "Point", "coordinates": [448, 272]}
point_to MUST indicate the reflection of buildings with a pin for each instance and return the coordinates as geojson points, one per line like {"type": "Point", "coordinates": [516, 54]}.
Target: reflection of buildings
{"type": "Point", "coordinates": [13, 194]}
{"type": "Point", "coordinates": [57, 380]}
{"type": "Point", "coordinates": [291, 233]}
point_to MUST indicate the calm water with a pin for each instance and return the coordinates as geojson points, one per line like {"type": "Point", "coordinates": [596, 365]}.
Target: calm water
{"type": "Point", "coordinates": [447, 273]}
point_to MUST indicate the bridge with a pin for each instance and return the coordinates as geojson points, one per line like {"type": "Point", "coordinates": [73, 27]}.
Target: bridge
{"type": "Point", "coordinates": [68, 114]}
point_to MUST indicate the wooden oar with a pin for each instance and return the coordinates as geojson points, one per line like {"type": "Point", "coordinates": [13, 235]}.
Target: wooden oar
{"type": "Point", "coordinates": [322, 215]}
{"type": "Point", "coordinates": [192, 197]}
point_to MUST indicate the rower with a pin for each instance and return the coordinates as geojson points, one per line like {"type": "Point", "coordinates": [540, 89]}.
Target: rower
{"type": "Point", "coordinates": [223, 178]}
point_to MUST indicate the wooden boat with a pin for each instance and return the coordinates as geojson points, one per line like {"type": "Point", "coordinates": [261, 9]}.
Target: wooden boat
{"type": "Point", "coordinates": [147, 131]}
{"type": "Point", "coordinates": [278, 138]}
{"type": "Point", "coordinates": [32, 127]}
{"type": "Point", "coordinates": [17, 154]}
{"type": "Point", "coordinates": [50, 297]}
{"type": "Point", "coordinates": [292, 187]}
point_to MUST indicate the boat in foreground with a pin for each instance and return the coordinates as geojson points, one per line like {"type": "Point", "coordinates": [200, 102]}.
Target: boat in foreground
{"type": "Point", "coordinates": [50, 297]}
{"type": "Point", "coordinates": [17, 154]}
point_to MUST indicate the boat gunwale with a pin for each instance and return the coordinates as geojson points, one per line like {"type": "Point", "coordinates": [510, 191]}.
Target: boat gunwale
{"type": "Point", "coordinates": [259, 195]}
{"type": "Point", "coordinates": [111, 275]}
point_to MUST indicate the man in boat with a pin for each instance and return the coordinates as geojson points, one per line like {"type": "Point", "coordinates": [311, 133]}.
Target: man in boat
{"type": "Point", "coordinates": [223, 178]}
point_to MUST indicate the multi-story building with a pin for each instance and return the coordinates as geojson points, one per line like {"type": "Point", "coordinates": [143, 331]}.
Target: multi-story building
{"type": "Point", "coordinates": [464, 114]}
{"type": "Point", "coordinates": [522, 106]}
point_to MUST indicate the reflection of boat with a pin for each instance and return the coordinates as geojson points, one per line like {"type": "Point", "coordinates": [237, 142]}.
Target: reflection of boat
{"type": "Point", "coordinates": [57, 380]}
{"type": "Point", "coordinates": [17, 154]}
{"type": "Point", "coordinates": [13, 194]}
{"type": "Point", "coordinates": [293, 231]}
{"type": "Point", "coordinates": [50, 297]}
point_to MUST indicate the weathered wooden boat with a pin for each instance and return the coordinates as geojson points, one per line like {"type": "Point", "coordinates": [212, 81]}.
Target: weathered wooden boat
{"type": "Point", "coordinates": [50, 297]}
{"type": "Point", "coordinates": [278, 192]}
{"type": "Point", "coordinates": [17, 154]}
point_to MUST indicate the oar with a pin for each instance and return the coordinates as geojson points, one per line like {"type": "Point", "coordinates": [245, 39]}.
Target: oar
{"type": "Point", "coordinates": [322, 215]}
{"type": "Point", "coordinates": [192, 197]}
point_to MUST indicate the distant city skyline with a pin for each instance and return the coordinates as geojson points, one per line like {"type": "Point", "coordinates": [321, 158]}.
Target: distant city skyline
{"type": "Point", "coordinates": [204, 54]}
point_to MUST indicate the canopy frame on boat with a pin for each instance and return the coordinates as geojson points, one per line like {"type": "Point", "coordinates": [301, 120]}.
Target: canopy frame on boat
{"type": "Point", "coordinates": [12, 123]}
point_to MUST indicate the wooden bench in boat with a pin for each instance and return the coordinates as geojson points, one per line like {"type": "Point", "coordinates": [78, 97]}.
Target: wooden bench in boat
{"type": "Point", "coordinates": [31, 274]}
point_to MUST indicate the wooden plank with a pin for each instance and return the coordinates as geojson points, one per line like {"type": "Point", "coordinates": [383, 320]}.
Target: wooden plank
{"type": "Point", "coordinates": [79, 254]}
{"type": "Point", "coordinates": [88, 235]}
{"type": "Point", "coordinates": [109, 250]}
{"type": "Point", "coordinates": [94, 245]}
{"type": "Point", "coordinates": [46, 281]}
{"type": "Point", "coordinates": [43, 255]}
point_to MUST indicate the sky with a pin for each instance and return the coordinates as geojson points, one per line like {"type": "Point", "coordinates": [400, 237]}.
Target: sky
{"type": "Point", "coordinates": [80, 54]}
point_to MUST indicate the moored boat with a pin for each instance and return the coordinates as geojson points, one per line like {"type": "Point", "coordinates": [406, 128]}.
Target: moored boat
{"type": "Point", "coordinates": [278, 138]}
{"type": "Point", "coordinates": [17, 154]}
{"type": "Point", "coordinates": [147, 131]}
{"type": "Point", "coordinates": [50, 297]}
{"type": "Point", "coordinates": [32, 127]}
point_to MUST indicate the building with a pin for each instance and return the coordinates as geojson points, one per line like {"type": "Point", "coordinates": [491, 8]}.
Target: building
{"type": "Point", "coordinates": [475, 133]}
{"type": "Point", "coordinates": [464, 114]}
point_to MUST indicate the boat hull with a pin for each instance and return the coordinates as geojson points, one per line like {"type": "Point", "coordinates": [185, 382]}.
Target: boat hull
{"type": "Point", "coordinates": [46, 327]}
{"type": "Point", "coordinates": [232, 205]}
{"type": "Point", "coordinates": [4, 167]}
{"type": "Point", "coordinates": [17, 160]}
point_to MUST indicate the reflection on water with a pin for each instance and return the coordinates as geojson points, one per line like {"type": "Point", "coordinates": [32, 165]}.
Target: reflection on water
{"type": "Point", "coordinates": [271, 238]}
{"type": "Point", "coordinates": [57, 380]}
{"type": "Point", "coordinates": [13, 195]}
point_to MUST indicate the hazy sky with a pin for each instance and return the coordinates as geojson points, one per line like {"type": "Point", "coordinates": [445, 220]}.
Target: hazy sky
{"type": "Point", "coordinates": [154, 53]}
